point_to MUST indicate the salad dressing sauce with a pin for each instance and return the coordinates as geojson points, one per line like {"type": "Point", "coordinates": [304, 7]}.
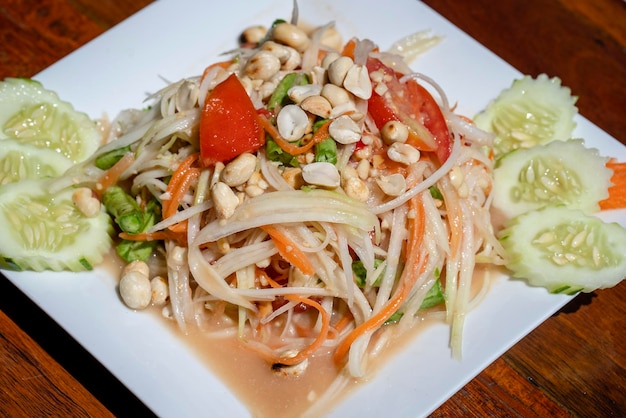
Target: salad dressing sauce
{"type": "Point", "coordinates": [267, 395]}
{"type": "Point", "coordinates": [112, 264]}
{"type": "Point", "coordinates": [251, 379]}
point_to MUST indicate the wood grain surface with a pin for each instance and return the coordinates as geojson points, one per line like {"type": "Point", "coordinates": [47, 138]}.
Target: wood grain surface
{"type": "Point", "coordinates": [572, 365]}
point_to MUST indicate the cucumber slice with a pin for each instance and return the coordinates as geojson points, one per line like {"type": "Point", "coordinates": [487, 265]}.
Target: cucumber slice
{"type": "Point", "coordinates": [31, 114]}
{"type": "Point", "coordinates": [553, 174]}
{"type": "Point", "coordinates": [565, 250]}
{"type": "Point", "coordinates": [529, 113]}
{"type": "Point", "coordinates": [44, 231]}
{"type": "Point", "coordinates": [22, 161]}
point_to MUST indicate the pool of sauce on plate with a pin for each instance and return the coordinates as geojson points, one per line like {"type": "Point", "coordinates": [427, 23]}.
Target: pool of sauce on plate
{"type": "Point", "coordinates": [268, 395]}
{"type": "Point", "coordinates": [251, 379]}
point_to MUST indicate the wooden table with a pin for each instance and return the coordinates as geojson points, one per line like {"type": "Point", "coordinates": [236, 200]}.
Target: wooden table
{"type": "Point", "coordinates": [572, 365]}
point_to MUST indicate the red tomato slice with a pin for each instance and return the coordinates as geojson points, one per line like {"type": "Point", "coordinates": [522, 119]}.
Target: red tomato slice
{"type": "Point", "coordinates": [228, 125]}
{"type": "Point", "coordinates": [413, 105]}
{"type": "Point", "coordinates": [380, 110]}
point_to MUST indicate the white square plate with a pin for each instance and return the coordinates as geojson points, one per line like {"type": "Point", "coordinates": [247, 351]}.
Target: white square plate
{"type": "Point", "coordinates": [174, 39]}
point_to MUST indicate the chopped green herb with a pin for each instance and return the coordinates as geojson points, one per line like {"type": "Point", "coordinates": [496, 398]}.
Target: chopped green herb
{"type": "Point", "coordinates": [276, 153]}
{"type": "Point", "coordinates": [318, 124]}
{"type": "Point", "coordinates": [135, 250]}
{"type": "Point", "coordinates": [108, 160]}
{"type": "Point", "coordinates": [360, 274]}
{"type": "Point", "coordinates": [326, 151]}
{"type": "Point", "coordinates": [433, 297]}
{"type": "Point", "coordinates": [435, 192]}
{"type": "Point", "coordinates": [395, 317]}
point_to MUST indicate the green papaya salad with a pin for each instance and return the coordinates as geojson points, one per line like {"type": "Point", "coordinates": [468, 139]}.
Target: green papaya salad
{"type": "Point", "coordinates": [309, 198]}
{"type": "Point", "coordinates": [541, 188]}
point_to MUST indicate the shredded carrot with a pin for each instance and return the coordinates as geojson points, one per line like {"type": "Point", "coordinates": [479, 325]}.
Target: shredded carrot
{"type": "Point", "coordinates": [112, 175]}
{"type": "Point", "coordinates": [343, 322]}
{"type": "Point", "coordinates": [348, 48]}
{"type": "Point", "coordinates": [221, 64]}
{"type": "Point", "coordinates": [319, 340]}
{"type": "Point", "coordinates": [321, 54]}
{"type": "Point", "coordinates": [289, 250]}
{"type": "Point", "coordinates": [179, 184]}
{"type": "Point", "coordinates": [409, 276]}
{"type": "Point", "coordinates": [319, 135]}
{"type": "Point", "coordinates": [176, 198]}
{"type": "Point", "coordinates": [617, 192]}
{"type": "Point", "coordinates": [181, 227]}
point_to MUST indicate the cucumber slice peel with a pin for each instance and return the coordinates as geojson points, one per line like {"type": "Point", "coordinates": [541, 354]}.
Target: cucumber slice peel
{"type": "Point", "coordinates": [531, 112]}
{"type": "Point", "coordinates": [45, 231]}
{"type": "Point", "coordinates": [20, 161]}
{"type": "Point", "coordinates": [565, 250]}
{"type": "Point", "coordinates": [33, 115]}
{"type": "Point", "coordinates": [561, 172]}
